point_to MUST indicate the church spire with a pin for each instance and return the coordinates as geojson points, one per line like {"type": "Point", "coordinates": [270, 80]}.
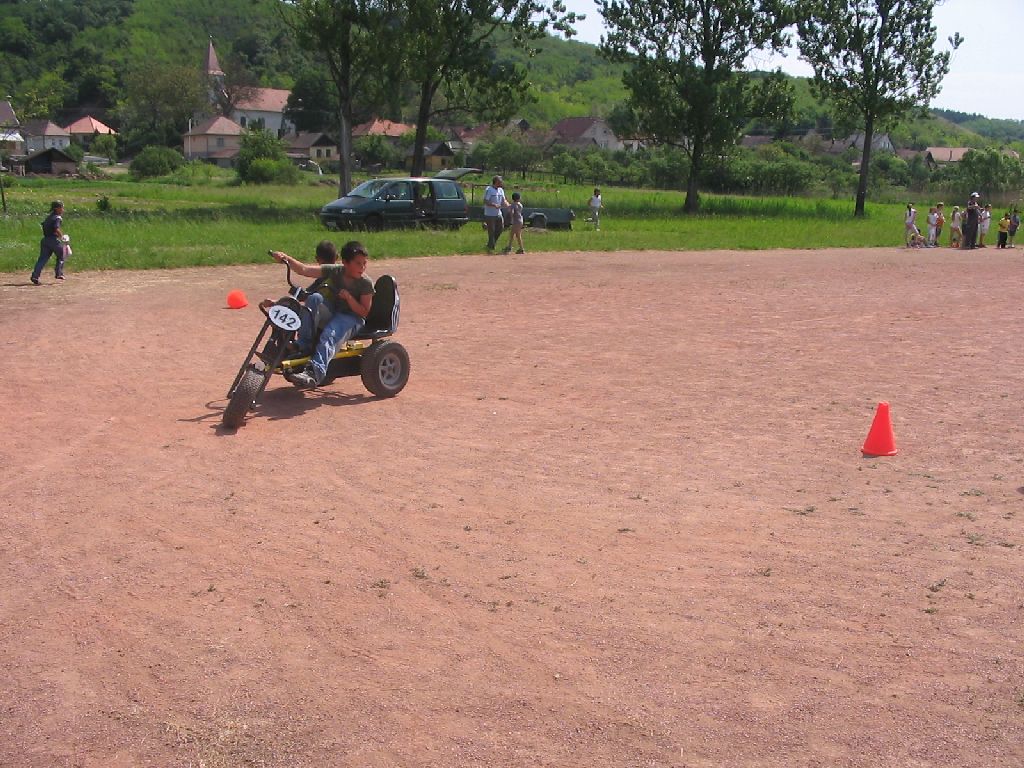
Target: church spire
{"type": "Point", "coordinates": [212, 64]}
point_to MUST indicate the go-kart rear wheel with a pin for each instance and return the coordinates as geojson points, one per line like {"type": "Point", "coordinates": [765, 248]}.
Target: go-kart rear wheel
{"type": "Point", "coordinates": [242, 399]}
{"type": "Point", "coordinates": [385, 368]}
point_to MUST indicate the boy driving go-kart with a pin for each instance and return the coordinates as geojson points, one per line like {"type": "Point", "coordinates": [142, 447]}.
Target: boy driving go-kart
{"type": "Point", "coordinates": [338, 309]}
{"type": "Point", "coordinates": [338, 326]}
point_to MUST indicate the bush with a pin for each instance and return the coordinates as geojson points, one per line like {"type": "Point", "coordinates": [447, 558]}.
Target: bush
{"type": "Point", "coordinates": [258, 145]}
{"type": "Point", "coordinates": [263, 171]}
{"type": "Point", "coordinates": [156, 161]}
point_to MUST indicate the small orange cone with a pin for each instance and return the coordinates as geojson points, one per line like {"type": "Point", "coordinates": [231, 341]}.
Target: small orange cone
{"type": "Point", "coordinates": [881, 440]}
{"type": "Point", "coordinates": [237, 300]}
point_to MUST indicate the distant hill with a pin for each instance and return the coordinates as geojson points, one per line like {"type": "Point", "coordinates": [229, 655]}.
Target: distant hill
{"type": "Point", "coordinates": [64, 57]}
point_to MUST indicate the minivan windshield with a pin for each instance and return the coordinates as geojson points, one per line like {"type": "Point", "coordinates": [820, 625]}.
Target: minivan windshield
{"type": "Point", "coordinates": [368, 188]}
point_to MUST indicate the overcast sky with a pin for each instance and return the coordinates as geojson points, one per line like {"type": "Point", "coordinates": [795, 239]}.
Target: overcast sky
{"type": "Point", "coordinates": [985, 77]}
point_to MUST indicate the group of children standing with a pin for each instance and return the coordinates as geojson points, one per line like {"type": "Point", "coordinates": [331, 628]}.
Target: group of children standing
{"type": "Point", "coordinates": [967, 229]}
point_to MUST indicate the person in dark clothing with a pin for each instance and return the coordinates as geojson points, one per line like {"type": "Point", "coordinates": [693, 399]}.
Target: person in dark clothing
{"type": "Point", "coordinates": [972, 218]}
{"type": "Point", "coordinates": [52, 243]}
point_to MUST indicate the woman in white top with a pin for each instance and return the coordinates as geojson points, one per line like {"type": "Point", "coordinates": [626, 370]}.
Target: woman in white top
{"type": "Point", "coordinates": [912, 231]}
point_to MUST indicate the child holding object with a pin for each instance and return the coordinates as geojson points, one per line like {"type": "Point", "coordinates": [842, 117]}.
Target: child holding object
{"type": "Point", "coordinates": [516, 224]}
{"type": "Point", "coordinates": [54, 243]}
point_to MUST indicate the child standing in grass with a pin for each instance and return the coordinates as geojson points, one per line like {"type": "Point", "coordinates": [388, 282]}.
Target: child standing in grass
{"type": "Point", "coordinates": [940, 221]}
{"type": "Point", "coordinates": [516, 223]}
{"type": "Point", "coordinates": [933, 221]}
{"type": "Point", "coordinates": [955, 232]}
{"type": "Point", "coordinates": [1004, 229]}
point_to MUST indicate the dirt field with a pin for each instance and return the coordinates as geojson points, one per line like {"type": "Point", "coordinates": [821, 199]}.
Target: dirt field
{"type": "Point", "coordinates": [619, 517]}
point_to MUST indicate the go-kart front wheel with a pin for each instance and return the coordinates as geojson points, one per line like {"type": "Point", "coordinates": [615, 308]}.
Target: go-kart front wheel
{"type": "Point", "coordinates": [243, 398]}
{"type": "Point", "coordinates": [385, 368]}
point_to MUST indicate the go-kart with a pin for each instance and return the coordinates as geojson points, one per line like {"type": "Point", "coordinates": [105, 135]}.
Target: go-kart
{"type": "Point", "coordinates": [382, 362]}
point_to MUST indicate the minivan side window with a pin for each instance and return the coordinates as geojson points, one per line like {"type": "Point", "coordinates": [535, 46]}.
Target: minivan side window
{"type": "Point", "coordinates": [446, 190]}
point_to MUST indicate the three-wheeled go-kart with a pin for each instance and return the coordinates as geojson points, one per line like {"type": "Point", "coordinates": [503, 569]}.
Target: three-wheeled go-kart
{"type": "Point", "coordinates": [382, 362]}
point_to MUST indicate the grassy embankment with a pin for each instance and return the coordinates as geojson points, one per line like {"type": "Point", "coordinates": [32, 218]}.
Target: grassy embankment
{"type": "Point", "coordinates": [155, 225]}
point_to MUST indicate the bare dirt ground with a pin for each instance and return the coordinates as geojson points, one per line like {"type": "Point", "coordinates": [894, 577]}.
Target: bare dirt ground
{"type": "Point", "coordinates": [619, 517]}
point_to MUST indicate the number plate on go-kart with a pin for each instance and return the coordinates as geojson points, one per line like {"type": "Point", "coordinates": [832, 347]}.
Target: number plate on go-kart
{"type": "Point", "coordinates": [284, 318]}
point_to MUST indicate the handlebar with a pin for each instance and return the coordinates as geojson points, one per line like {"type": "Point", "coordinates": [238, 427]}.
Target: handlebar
{"type": "Point", "coordinates": [287, 273]}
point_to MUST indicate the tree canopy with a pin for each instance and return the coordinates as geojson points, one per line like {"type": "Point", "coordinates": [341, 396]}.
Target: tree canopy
{"type": "Point", "coordinates": [686, 70]}
{"type": "Point", "coordinates": [874, 60]}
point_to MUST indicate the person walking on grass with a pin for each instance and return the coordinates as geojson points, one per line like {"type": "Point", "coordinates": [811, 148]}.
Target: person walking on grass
{"type": "Point", "coordinates": [596, 204]}
{"type": "Point", "coordinates": [52, 244]}
{"type": "Point", "coordinates": [516, 224]}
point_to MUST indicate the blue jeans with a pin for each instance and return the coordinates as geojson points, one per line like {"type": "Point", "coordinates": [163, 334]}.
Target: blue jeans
{"type": "Point", "coordinates": [339, 329]}
{"type": "Point", "coordinates": [47, 247]}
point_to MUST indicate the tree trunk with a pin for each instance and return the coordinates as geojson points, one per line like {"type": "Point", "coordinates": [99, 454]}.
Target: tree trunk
{"type": "Point", "coordinates": [692, 204]}
{"type": "Point", "coordinates": [422, 122]}
{"type": "Point", "coordinates": [344, 150]}
{"type": "Point", "coordinates": [865, 166]}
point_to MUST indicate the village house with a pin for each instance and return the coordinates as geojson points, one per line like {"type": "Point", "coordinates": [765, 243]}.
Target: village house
{"type": "Point", "coordinates": [11, 140]}
{"type": "Point", "coordinates": [44, 134]}
{"type": "Point", "coordinates": [262, 109]}
{"type": "Point", "coordinates": [584, 133]}
{"type": "Point", "coordinates": [216, 140]}
{"type": "Point", "coordinates": [85, 129]}
{"type": "Point", "coordinates": [436, 156]}
{"type": "Point", "coordinates": [47, 161]}
{"type": "Point", "coordinates": [315, 146]}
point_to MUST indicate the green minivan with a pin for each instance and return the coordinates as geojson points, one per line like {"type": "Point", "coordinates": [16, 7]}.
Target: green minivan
{"type": "Point", "coordinates": [399, 202]}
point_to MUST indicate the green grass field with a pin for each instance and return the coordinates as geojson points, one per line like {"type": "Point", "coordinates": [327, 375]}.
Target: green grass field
{"type": "Point", "coordinates": [122, 224]}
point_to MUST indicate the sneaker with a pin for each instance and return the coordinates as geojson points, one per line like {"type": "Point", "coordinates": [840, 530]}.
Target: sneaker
{"type": "Point", "coordinates": [35, 281]}
{"type": "Point", "coordinates": [59, 277]}
{"type": "Point", "coordinates": [302, 379]}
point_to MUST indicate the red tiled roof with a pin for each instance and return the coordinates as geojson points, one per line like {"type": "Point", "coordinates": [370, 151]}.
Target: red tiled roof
{"type": "Point", "coordinates": [574, 127]}
{"type": "Point", "coordinates": [947, 154]}
{"type": "Point", "coordinates": [89, 125]}
{"type": "Point", "coordinates": [378, 127]}
{"type": "Point", "coordinates": [266, 100]}
{"type": "Point", "coordinates": [217, 126]}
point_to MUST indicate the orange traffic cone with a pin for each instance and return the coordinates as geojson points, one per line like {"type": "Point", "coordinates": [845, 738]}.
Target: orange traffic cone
{"type": "Point", "coordinates": [237, 300]}
{"type": "Point", "coordinates": [881, 440]}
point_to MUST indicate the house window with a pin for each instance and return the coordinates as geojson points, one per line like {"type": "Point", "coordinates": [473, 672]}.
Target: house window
{"type": "Point", "coordinates": [220, 141]}
{"type": "Point", "coordinates": [243, 120]}
{"type": "Point", "coordinates": [327, 152]}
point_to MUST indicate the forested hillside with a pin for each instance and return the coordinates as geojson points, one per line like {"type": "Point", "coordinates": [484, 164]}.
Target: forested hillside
{"type": "Point", "coordinates": [60, 59]}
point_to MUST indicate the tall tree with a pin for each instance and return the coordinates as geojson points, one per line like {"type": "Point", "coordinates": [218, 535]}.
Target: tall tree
{"type": "Point", "coordinates": [874, 60]}
{"type": "Point", "coordinates": [687, 85]}
{"type": "Point", "coordinates": [158, 101]}
{"type": "Point", "coordinates": [451, 51]}
{"type": "Point", "coordinates": [349, 35]}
